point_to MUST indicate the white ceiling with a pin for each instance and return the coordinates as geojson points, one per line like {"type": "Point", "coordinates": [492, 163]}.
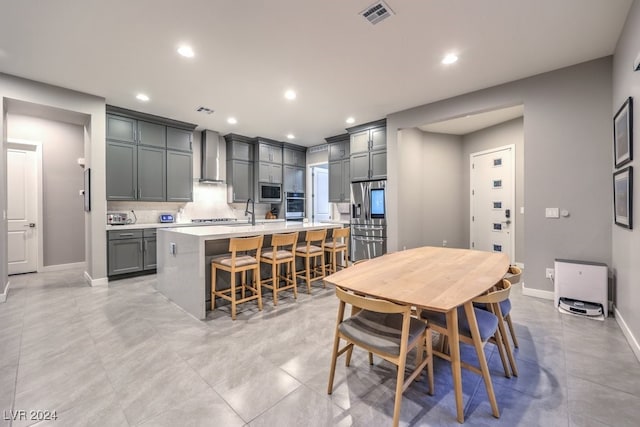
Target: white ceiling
{"type": "Point", "coordinates": [249, 51]}
{"type": "Point", "coordinates": [474, 122]}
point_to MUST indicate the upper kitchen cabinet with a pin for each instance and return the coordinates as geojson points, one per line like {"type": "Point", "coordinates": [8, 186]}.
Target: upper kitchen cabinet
{"type": "Point", "coordinates": [293, 179]}
{"type": "Point", "coordinates": [179, 176]}
{"type": "Point", "coordinates": [269, 151]}
{"type": "Point", "coordinates": [295, 156]}
{"type": "Point", "coordinates": [239, 168]}
{"type": "Point", "coordinates": [122, 129]}
{"type": "Point", "coordinates": [179, 139]}
{"type": "Point", "coordinates": [152, 134]}
{"type": "Point", "coordinates": [368, 148]}
{"type": "Point", "coordinates": [122, 171]}
{"type": "Point", "coordinates": [141, 162]}
{"type": "Point", "coordinates": [339, 165]}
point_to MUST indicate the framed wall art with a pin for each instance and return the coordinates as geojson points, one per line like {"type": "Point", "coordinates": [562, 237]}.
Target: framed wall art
{"type": "Point", "coordinates": [623, 134]}
{"type": "Point", "coordinates": [623, 197]}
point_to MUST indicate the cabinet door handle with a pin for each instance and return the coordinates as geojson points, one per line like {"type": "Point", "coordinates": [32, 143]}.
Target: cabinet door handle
{"type": "Point", "coordinates": [146, 246]}
{"type": "Point", "coordinates": [126, 234]}
{"type": "Point", "coordinates": [139, 193]}
{"type": "Point", "coordinates": [140, 243]}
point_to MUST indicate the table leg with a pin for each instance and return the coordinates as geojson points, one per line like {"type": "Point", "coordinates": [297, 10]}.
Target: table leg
{"type": "Point", "coordinates": [477, 342]}
{"type": "Point", "coordinates": [454, 351]}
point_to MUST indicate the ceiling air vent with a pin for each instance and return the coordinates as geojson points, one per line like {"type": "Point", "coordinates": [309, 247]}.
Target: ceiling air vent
{"type": "Point", "coordinates": [204, 110]}
{"type": "Point", "coordinates": [377, 12]}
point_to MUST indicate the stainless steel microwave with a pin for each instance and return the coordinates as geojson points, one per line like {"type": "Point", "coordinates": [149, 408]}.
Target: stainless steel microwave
{"type": "Point", "coordinates": [269, 193]}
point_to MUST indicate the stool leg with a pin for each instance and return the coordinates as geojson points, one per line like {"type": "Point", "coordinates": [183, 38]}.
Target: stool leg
{"type": "Point", "coordinates": [233, 296]}
{"type": "Point", "coordinates": [274, 282]}
{"type": "Point", "coordinates": [306, 263]}
{"type": "Point", "coordinates": [334, 262]}
{"type": "Point", "coordinates": [291, 266]}
{"type": "Point", "coordinates": [258, 285]}
{"type": "Point", "coordinates": [244, 282]}
{"type": "Point", "coordinates": [324, 284]}
{"type": "Point", "coordinates": [213, 287]}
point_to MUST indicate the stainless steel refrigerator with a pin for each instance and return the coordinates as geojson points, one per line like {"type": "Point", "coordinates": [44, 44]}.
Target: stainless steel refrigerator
{"type": "Point", "coordinates": [368, 219]}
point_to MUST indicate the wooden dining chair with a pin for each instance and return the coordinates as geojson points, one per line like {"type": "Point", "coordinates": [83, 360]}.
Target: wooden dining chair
{"type": "Point", "coordinates": [244, 256]}
{"type": "Point", "coordinates": [339, 244]}
{"type": "Point", "coordinates": [513, 276]}
{"type": "Point", "coordinates": [282, 252]}
{"type": "Point", "coordinates": [387, 330]}
{"type": "Point", "coordinates": [488, 327]}
{"type": "Point", "coordinates": [312, 249]}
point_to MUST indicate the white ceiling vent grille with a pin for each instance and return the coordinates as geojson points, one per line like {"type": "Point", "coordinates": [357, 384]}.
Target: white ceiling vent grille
{"type": "Point", "coordinates": [377, 12]}
{"type": "Point", "coordinates": [318, 148]}
{"type": "Point", "coordinates": [204, 110]}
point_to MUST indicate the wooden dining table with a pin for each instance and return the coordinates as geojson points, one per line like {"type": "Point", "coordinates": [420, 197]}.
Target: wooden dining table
{"type": "Point", "coordinates": [437, 279]}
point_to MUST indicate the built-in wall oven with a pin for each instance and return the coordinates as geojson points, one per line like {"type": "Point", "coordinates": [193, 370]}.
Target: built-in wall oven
{"type": "Point", "coordinates": [294, 206]}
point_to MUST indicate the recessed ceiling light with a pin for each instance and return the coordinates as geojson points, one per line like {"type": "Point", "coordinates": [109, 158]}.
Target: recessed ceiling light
{"type": "Point", "coordinates": [450, 58]}
{"type": "Point", "coordinates": [142, 97]}
{"type": "Point", "coordinates": [291, 136]}
{"type": "Point", "coordinates": [186, 51]}
{"type": "Point", "coordinates": [232, 120]}
{"type": "Point", "coordinates": [350, 120]}
{"type": "Point", "coordinates": [290, 94]}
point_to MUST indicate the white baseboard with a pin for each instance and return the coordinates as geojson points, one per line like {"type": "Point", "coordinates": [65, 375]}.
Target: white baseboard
{"type": "Point", "coordinates": [520, 265]}
{"type": "Point", "coordinates": [538, 293]}
{"type": "Point", "coordinates": [60, 267]}
{"type": "Point", "coordinates": [3, 295]}
{"type": "Point", "coordinates": [95, 282]}
{"type": "Point", "coordinates": [627, 333]}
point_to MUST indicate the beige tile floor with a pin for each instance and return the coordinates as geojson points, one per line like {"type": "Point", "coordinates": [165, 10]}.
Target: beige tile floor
{"type": "Point", "coordinates": [125, 356]}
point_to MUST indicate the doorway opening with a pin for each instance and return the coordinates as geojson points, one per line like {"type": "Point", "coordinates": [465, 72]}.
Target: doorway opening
{"type": "Point", "coordinates": [320, 192]}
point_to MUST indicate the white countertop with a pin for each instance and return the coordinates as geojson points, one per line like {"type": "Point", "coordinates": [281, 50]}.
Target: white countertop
{"type": "Point", "coordinates": [214, 232]}
{"type": "Point", "coordinates": [139, 226]}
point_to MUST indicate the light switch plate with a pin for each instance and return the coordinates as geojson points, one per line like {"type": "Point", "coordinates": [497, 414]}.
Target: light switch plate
{"type": "Point", "coordinates": [552, 213]}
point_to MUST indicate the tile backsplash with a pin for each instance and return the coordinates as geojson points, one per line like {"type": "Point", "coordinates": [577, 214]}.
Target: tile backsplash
{"type": "Point", "coordinates": [209, 201]}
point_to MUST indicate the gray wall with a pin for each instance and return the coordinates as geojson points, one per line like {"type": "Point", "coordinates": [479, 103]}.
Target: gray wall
{"type": "Point", "coordinates": [511, 132]}
{"type": "Point", "coordinates": [567, 153]}
{"type": "Point", "coordinates": [62, 178]}
{"type": "Point", "coordinates": [626, 243]}
{"type": "Point", "coordinates": [431, 169]}
{"type": "Point", "coordinates": [93, 109]}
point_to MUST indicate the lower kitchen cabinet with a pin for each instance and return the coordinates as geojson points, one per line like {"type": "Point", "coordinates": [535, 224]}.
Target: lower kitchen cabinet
{"type": "Point", "coordinates": [131, 251]}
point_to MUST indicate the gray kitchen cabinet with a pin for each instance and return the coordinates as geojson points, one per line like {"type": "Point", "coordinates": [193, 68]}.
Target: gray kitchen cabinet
{"type": "Point", "coordinates": [339, 181]}
{"type": "Point", "coordinates": [239, 181]}
{"type": "Point", "coordinates": [179, 176]}
{"type": "Point", "coordinates": [339, 150]}
{"type": "Point", "coordinates": [359, 165]}
{"type": "Point", "coordinates": [179, 139]}
{"type": "Point", "coordinates": [368, 148]}
{"type": "Point", "coordinates": [270, 172]}
{"type": "Point", "coordinates": [239, 150]}
{"type": "Point", "coordinates": [294, 157]}
{"type": "Point", "coordinates": [149, 246]}
{"type": "Point", "coordinates": [125, 252]}
{"type": "Point", "coordinates": [152, 134]}
{"type": "Point", "coordinates": [122, 129]}
{"type": "Point", "coordinates": [269, 153]}
{"type": "Point", "coordinates": [137, 157]}
{"type": "Point", "coordinates": [152, 174]}
{"type": "Point", "coordinates": [121, 171]}
{"type": "Point", "coordinates": [293, 179]}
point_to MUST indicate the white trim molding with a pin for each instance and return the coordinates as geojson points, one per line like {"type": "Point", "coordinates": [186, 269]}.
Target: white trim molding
{"type": "Point", "coordinates": [520, 265]}
{"type": "Point", "coordinates": [60, 267]}
{"type": "Point", "coordinates": [95, 282]}
{"type": "Point", "coordinates": [633, 342]}
{"type": "Point", "coordinates": [3, 295]}
{"type": "Point", "coordinates": [538, 293]}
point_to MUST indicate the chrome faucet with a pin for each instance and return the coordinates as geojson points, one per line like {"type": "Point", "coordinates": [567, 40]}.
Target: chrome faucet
{"type": "Point", "coordinates": [252, 212]}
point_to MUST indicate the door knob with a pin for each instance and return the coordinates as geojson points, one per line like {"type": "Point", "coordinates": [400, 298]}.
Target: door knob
{"type": "Point", "coordinates": [30, 225]}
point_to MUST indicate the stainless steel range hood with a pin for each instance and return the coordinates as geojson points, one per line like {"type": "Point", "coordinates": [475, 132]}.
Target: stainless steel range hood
{"type": "Point", "coordinates": [214, 157]}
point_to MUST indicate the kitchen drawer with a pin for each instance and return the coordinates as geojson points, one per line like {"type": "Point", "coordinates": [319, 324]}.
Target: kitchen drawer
{"type": "Point", "coordinates": [125, 234]}
{"type": "Point", "coordinates": [150, 232]}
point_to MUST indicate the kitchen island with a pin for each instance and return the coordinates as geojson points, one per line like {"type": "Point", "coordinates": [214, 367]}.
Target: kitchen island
{"type": "Point", "coordinates": [184, 253]}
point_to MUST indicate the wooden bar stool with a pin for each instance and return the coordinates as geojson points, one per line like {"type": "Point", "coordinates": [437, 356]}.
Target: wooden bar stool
{"type": "Point", "coordinates": [238, 263]}
{"type": "Point", "coordinates": [313, 248]}
{"type": "Point", "coordinates": [339, 244]}
{"type": "Point", "coordinates": [282, 252]}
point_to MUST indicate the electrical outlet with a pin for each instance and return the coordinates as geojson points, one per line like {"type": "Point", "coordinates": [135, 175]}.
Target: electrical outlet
{"type": "Point", "coordinates": [549, 273]}
{"type": "Point", "coordinates": [173, 249]}
{"type": "Point", "coordinates": [444, 243]}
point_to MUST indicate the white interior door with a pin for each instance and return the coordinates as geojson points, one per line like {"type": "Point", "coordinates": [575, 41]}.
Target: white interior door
{"type": "Point", "coordinates": [492, 201]}
{"type": "Point", "coordinates": [22, 209]}
{"type": "Point", "coordinates": [321, 194]}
